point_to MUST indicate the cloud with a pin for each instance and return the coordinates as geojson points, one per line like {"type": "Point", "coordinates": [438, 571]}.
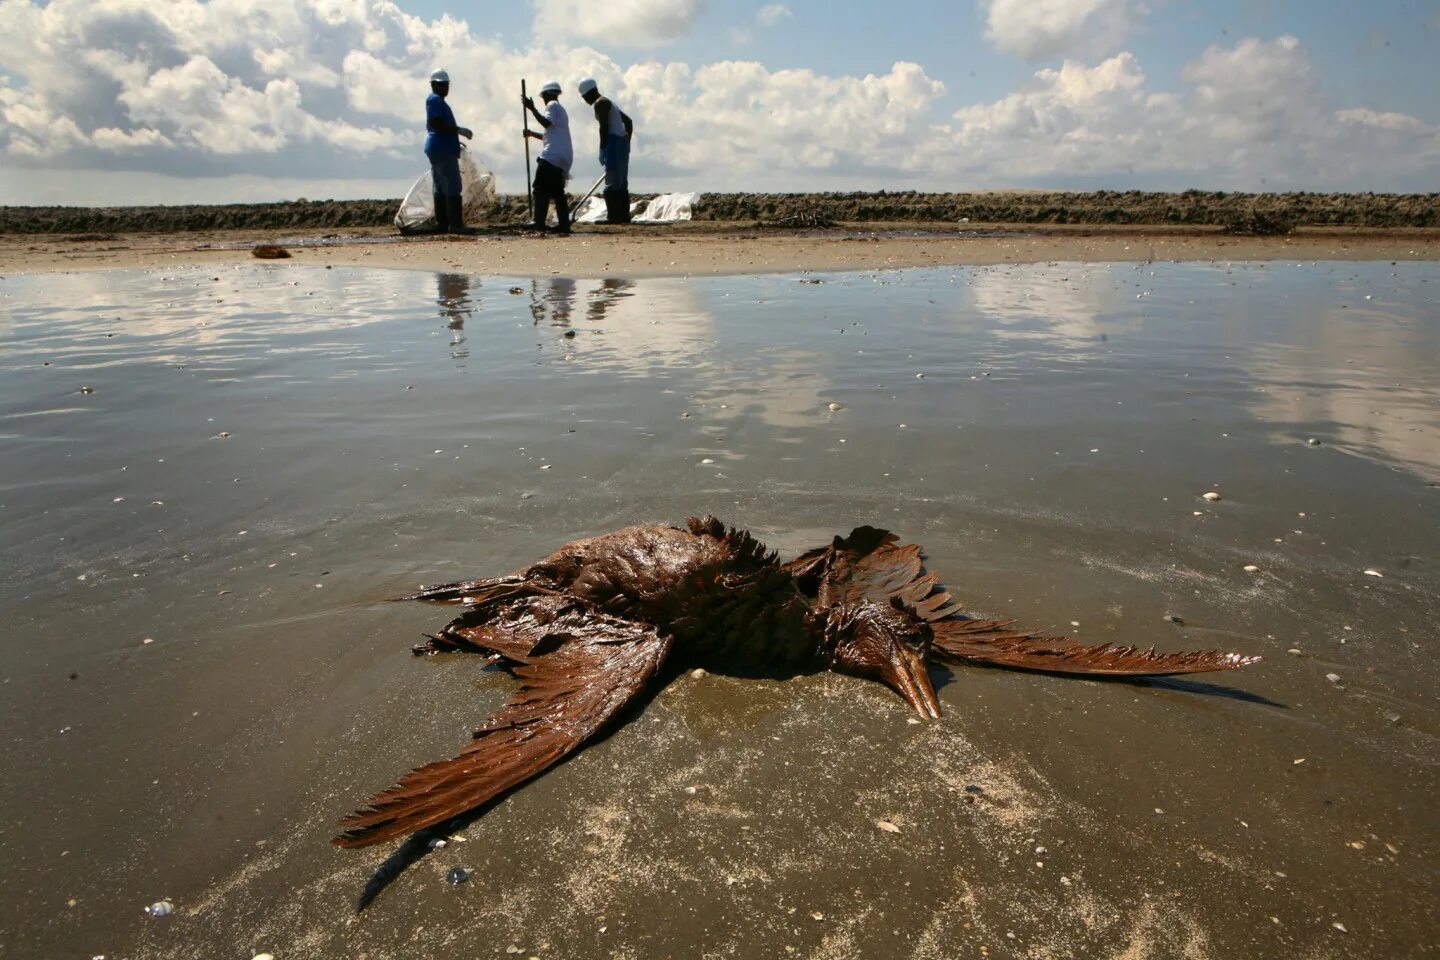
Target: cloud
{"type": "Point", "coordinates": [772, 15]}
{"type": "Point", "coordinates": [232, 94]}
{"type": "Point", "coordinates": [766, 18]}
{"type": "Point", "coordinates": [1251, 115]}
{"type": "Point", "coordinates": [617, 23]}
{"type": "Point", "coordinates": [1045, 29]}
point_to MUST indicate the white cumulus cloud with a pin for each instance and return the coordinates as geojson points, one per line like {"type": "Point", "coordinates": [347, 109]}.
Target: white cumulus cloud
{"type": "Point", "coordinates": [617, 23]}
{"type": "Point", "coordinates": [1250, 116]}
{"type": "Point", "coordinates": [1045, 29]}
{"type": "Point", "coordinates": [771, 15]}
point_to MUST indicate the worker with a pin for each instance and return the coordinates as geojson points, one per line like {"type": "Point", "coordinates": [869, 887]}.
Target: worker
{"type": "Point", "coordinates": [552, 169]}
{"type": "Point", "coordinates": [616, 130]}
{"type": "Point", "coordinates": [442, 146]}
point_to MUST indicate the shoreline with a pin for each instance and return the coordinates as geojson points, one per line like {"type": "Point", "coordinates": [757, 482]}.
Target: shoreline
{"type": "Point", "coordinates": [709, 248]}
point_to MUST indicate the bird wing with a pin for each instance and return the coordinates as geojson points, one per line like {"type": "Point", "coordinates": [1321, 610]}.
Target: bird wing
{"type": "Point", "coordinates": [874, 565]}
{"type": "Point", "coordinates": [871, 564]}
{"type": "Point", "coordinates": [993, 643]}
{"type": "Point", "coordinates": [581, 669]}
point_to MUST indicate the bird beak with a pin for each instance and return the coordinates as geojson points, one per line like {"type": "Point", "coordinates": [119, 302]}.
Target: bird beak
{"type": "Point", "coordinates": [907, 675]}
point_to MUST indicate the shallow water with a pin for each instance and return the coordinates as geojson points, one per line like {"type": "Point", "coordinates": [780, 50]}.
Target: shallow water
{"type": "Point", "coordinates": [199, 675]}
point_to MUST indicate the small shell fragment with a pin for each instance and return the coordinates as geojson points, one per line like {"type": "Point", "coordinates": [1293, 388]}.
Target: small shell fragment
{"type": "Point", "coordinates": [1373, 573]}
{"type": "Point", "coordinates": [1251, 568]}
{"type": "Point", "coordinates": [437, 844]}
{"type": "Point", "coordinates": [836, 407]}
{"type": "Point", "coordinates": [160, 908]}
{"type": "Point", "coordinates": [1210, 495]}
{"type": "Point", "coordinates": [887, 826]}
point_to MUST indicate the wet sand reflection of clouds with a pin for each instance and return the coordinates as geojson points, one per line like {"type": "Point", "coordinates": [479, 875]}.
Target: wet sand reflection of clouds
{"type": "Point", "coordinates": [1360, 378]}
{"type": "Point", "coordinates": [668, 326]}
{"type": "Point", "coordinates": [1075, 304]}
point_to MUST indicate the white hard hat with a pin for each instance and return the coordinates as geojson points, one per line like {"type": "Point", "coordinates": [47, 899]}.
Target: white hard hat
{"type": "Point", "coordinates": [439, 76]}
{"type": "Point", "coordinates": [552, 87]}
{"type": "Point", "coordinates": [587, 85]}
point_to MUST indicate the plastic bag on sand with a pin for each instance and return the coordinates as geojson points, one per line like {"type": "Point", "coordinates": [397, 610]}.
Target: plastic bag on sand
{"type": "Point", "coordinates": [668, 208]}
{"type": "Point", "coordinates": [593, 211]}
{"type": "Point", "coordinates": [477, 194]}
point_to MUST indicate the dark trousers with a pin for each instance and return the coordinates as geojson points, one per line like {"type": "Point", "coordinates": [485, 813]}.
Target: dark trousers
{"type": "Point", "coordinates": [550, 186]}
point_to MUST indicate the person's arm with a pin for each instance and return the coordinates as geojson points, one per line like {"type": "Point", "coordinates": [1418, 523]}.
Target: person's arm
{"type": "Point", "coordinates": [539, 117]}
{"type": "Point", "coordinates": [602, 114]}
{"type": "Point", "coordinates": [438, 122]}
{"type": "Point", "coordinates": [629, 127]}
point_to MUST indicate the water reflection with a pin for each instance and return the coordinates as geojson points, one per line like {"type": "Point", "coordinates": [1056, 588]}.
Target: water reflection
{"type": "Point", "coordinates": [1075, 304]}
{"type": "Point", "coordinates": [611, 292]}
{"type": "Point", "coordinates": [555, 303]}
{"type": "Point", "coordinates": [1361, 379]}
{"type": "Point", "coordinates": [453, 296]}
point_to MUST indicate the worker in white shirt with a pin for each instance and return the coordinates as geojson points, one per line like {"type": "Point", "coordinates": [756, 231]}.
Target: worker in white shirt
{"type": "Point", "coordinates": [556, 155]}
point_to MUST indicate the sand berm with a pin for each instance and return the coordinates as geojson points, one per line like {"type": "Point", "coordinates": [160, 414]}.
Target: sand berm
{"type": "Point", "coordinates": [1240, 212]}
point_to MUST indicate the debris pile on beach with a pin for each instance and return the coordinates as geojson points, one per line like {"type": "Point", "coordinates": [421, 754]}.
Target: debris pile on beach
{"type": "Point", "coordinates": [1191, 208]}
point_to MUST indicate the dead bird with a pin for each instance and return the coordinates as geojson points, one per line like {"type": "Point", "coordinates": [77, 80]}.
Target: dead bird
{"type": "Point", "coordinates": [601, 624]}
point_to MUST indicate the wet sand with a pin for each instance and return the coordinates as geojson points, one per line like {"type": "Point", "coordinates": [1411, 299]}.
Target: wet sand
{"type": "Point", "coordinates": [270, 450]}
{"type": "Point", "coordinates": [707, 249]}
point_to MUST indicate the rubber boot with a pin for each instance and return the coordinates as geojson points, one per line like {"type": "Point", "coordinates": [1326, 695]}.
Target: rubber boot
{"type": "Point", "coordinates": [562, 214]}
{"type": "Point", "coordinates": [457, 217]}
{"type": "Point", "coordinates": [617, 206]}
{"type": "Point", "coordinates": [442, 213]}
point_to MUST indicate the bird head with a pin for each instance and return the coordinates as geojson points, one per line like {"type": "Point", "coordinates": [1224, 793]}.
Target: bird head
{"type": "Point", "coordinates": [884, 642]}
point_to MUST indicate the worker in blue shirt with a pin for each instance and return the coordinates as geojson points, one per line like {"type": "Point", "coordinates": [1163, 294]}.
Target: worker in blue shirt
{"type": "Point", "coordinates": [442, 146]}
{"type": "Point", "coordinates": [616, 129]}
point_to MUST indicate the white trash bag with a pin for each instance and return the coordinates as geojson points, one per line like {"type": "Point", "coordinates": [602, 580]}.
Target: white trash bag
{"type": "Point", "coordinates": [593, 211]}
{"type": "Point", "coordinates": [668, 208]}
{"type": "Point", "coordinates": [477, 194]}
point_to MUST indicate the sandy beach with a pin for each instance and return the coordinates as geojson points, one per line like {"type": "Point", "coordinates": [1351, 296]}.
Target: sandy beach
{"type": "Point", "coordinates": [709, 248]}
{"type": "Point", "coordinates": [213, 478]}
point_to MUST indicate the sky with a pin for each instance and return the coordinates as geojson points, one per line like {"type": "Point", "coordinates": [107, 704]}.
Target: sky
{"type": "Point", "coordinates": [191, 101]}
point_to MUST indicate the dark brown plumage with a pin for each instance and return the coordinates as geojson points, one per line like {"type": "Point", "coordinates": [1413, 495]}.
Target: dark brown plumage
{"type": "Point", "coordinates": [600, 623]}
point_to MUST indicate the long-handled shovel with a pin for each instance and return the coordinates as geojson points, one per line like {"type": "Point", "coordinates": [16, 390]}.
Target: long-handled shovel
{"type": "Point", "coordinates": [588, 195]}
{"type": "Point", "coordinates": [525, 117]}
